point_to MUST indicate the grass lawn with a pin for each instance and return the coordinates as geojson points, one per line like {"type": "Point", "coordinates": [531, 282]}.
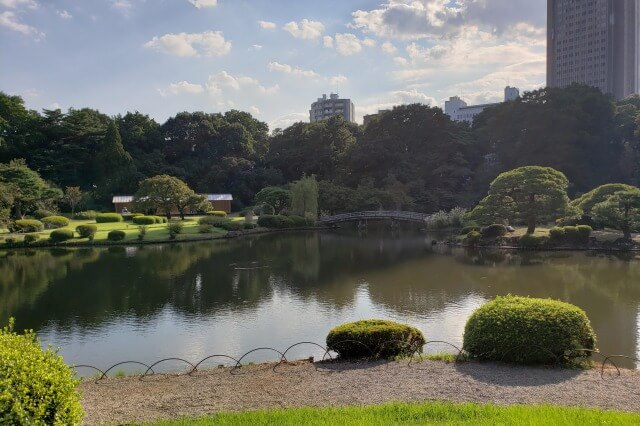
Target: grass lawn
{"type": "Point", "coordinates": [419, 414]}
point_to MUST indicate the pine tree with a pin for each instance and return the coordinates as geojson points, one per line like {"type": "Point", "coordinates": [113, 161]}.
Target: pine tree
{"type": "Point", "coordinates": [114, 165]}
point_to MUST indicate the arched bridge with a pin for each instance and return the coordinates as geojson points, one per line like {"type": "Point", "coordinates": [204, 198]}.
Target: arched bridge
{"type": "Point", "coordinates": [374, 215]}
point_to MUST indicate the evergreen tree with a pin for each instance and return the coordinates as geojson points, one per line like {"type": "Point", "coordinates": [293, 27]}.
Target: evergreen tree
{"type": "Point", "coordinates": [114, 165]}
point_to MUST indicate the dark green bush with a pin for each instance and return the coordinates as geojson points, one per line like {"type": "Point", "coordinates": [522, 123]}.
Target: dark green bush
{"type": "Point", "coordinates": [584, 233]}
{"type": "Point", "coordinates": [467, 229]}
{"type": "Point", "coordinates": [116, 235]}
{"type": "Point", "coordinates": [145, 220]}
{"type": "Point", "coordinates": [494, 231]}
{"type": "Point", "coordinates": [55, 222]}
{"type": "Point", "coordinates": [248, 225]}
{"type": "Point", "coordinates": [217, 213]}
{"type": "Point", "coordinates": [61, 235]}
{"type": "Point", "coordinates": [473, 238]}
{"type": "Point", "coordinates": [205, 229]}
{"type": "Point", "coordinates": [528, 331]}
{"type": "Point", "coordinates": [377, 338]}
{"type": "Point", "coordinates": [36, 387]}
{"type": "Point", "coordinates": [298, 221]}
{"type": "Point", "coordinates": [109, 218]}
{"type": "Point", "coordinates": [87, 231]}
{"type": "Point", "coordinates": [567, 221]}
{"type": "Point", "coordinates": [556, 234]}
{"type": "Point", "coordinates": [160, 219]}
{"type": "Point", "coordinates": [42, 213]}
{"type": "Point", "coordinates": [175, 228]}
{"type": "Point", "coordinates": [31, 238]}
{"type": "Point", "coordinates": [222, 223]}
{"type": "Point", "coordinates": [26, 226]}
{"type": "Point", "coordinates": [531, 241]}
{"type": "Point", "coordinates": [275, 221]}
{"type": "Point", "coordinates": [86, 215]}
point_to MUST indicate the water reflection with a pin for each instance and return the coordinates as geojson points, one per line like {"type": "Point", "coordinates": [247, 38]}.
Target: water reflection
{"type": "Point", "coordinates": [192, 300]}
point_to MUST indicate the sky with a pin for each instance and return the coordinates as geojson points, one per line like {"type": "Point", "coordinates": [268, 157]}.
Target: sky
{"type": "Point", "coordinates": [272, 58]}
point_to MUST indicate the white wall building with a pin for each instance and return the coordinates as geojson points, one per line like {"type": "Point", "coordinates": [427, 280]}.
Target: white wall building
{"type": "Point", "coordinates": [458, 109]}
{"type": "Point", "coordinates": [325, 108]}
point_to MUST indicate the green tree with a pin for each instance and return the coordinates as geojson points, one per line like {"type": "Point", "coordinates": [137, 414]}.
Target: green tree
{"type": "Point", "coordinates": [6, 202]}
{"type": "Point", "coordinates": [304, 197]}
{"type": "Point", "coordinates": [191, 203]}
{"type": "Point", "coordinates": [530, 194]}
{"type": "Point", "coordinates": [587, 201]}
{"type": "Point", "coordinates": [114, 166]}
{"type": "Point", "coordinates": [73, 196]}
{"type": "Point", "coordinates": [276, 197]}
{"type": "Point", "coordinates": [621, 211]}
{"type": "Point", "coordinates": [29, 190]}
{"type": "Point", "coordinates": [165, 193]}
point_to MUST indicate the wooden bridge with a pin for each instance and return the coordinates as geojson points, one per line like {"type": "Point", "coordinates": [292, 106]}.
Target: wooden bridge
{"type": "Point", "coordinates": [394, 216]}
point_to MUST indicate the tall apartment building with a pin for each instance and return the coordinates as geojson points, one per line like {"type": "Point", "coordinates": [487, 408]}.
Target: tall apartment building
{"type": "Point", "coordinates": [325, 108]}
{"type": "Point", "coordinates": [594, 42]}
{"type": "Point", "coordinates": [458, 110]}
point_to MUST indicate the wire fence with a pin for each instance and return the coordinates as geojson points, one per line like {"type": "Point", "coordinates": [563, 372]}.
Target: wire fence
{"type": "Point", "coordinates": [411, 353]}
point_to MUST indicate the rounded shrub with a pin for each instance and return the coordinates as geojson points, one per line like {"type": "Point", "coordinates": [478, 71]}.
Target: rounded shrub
{"type": "Point", "coordinates": [42, 213]}
{"type": "Point", "coordinates": [87, 231]}
{"type": "Point", "coordinates": [248, 225]}
{"type": "Point", "coordinates": [556, 234]}
{"type": "Point", "coordinates": [55, 222]}
{"type": "Point", "coordinates": [116, 235]}
{"type": "Point", "coordinates": [275, 221]}
{"type": "Point", "coordinates": [61, 235]}
{"type": "Point", "coordinates": [298, 221]}
{"type": "Point", "coordinates": [473, 238]}
{"type": "Point", "coordinates": [145, 220]}
{"type": "Point", "coordinates": [467, 229]}
{"type": "Point", "coordinates": [36, 386]}
{"type": "Point", "coordinates": [217, 213]}
{"type": "Point", "coordinates": [523, 330]}
{"type": "Point", "coordinates": [222, 223]}
{"type": "Point", "coordinates": [86, 215]}
{"type": "Point", "coordinates": [109, 218]}
{"type": "Point", "coordinates": [530, 241]}
{"type": "Point", "coordinates": [31, 238]}
{"type": "Point", "coordinates": [26, 226]}
{"type": "Point", "coordinates": [205, 229]}
{"type": "Point", "coordinates": [494, 231]}
{"type": "Point", "coordinates": [584, 233]}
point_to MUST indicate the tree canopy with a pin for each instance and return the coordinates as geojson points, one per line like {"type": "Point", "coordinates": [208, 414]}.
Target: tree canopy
{"type": "Point", "coordinates": [166, 194]}
{"type": "Point", "coordinates": [28, 191]}
{"type": "Point", "coordinates": [620, 211]}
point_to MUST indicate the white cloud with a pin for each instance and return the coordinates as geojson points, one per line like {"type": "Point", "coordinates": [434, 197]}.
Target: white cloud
{"type": "Point", "coordinates": [327, 41]}
{"type": "Point", "coordinates": [287, 120]}
{"type": "Point", "coordinates": [391, 99]}
{"type": "Point", "coordinates": [122, 5]}
{"type": "Point", "coordinates": [10, 20]}
{"type": "Point", "coordinates": [388, 48]}
{"type": "Point", "coordinates": [254, 110]}
{"type": "Point", "coordinates": [209, 43]}
{"type": "Point", "coordinates": [222, 81]}
{"type": "Point", "coordinates": [64, 14]}
{"type": "Point", "coordinates": [256, 47]}
{"type": "Point", "coordinates": [305, 29]}
{"type": "Point", "coordinates": [401, 61]}
{"type": "Point", "coordinates": [348, 44]}
{"type": "Point", "coordinates": [204, 3]}
{"type": "Point", "coordinates": [266, 25]}
{"type": "Point", "coordinates": [338, 80]}
{"type": "Point", "coordinates": [369, 42]}
{"type": "Point", "coordinates": [182, 87]}
{"type": "Point", "coordinates": [15, 4]}
{"type": "Point", "coordinates": [288, 69]}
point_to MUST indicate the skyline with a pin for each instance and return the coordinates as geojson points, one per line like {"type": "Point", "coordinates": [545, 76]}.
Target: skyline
{"type": "Point", "coordinates": [164, 57]}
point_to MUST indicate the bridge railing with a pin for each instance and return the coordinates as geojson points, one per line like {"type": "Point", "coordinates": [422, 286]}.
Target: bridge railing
{"type": "Point", "coordinates": [375, 215]}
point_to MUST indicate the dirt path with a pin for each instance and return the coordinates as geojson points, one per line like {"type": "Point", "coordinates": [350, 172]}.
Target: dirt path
{"type": "Point", "coordinates": [115, 401]}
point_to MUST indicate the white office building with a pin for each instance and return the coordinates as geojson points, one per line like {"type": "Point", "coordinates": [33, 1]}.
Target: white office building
{"type": "Point", "coordinates": [325, 108]}
{"type": "Point", "coordinates": [458, 109]}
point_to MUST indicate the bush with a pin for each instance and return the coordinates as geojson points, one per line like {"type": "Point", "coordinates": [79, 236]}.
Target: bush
{"type": "Point", "coordinates": [473, 238]}
{"type": "Point", "coordinates": [494, 231]}
{"type": "Point", "coordinates": [145, 220]}
{"type": "Point", "coordinates": [275, 221]}
{"type": "Point", "coordinates": [446, 220]}
{"type": "Point", "coordinates": [567, 221]}
{"type": "Point", "coordinates": [175, 228]}
{"type": "Point", "coordinates": [26, 226]}
{"type": "Point", "coordinates": [467, 229]}
{"type": "Point", "coordinates": [556, 234]}
{"type": "Point", "coordinates": [109, 218]}
{"type": "Point", "coordinates": [377, 338]}
{"type": "Point", "coordinates": [298, 221]}
{"type": "Point", "coordinates": [531, 241]}
{"type": "Point", "coordinates": [31, 238]}
{"type": "Point", "coordinates": [221, 223]}
{"type": "Point", "coordinates": [160, 219]}
{"type": "Point", "coordinates": [205, 229]}
{"type": "Point", "coordinates": [216, 214]}
{"type": "Point", "coordinates": [61, 235]}
{"type": "Point", "coordinates": [37, 386]}
{"type": "Point", "coordinates": [584, 233]}
{"type": "Point", "coordinates": [248, 225]}
{"type": "Point", "coordinates": [86, 215]}
{"type": "Point", "coordinates": [87, 231]}
{"type": "Point", "coordinates": [116, 235]}
{"type": "Point", "coordinates": [528, 331]}
{"type": "Point", "coordinates": [55, 222]}
{"type": "Point", "coordinates": [142, 232]}
{"type": "Point", "coordinates": [42, 213]}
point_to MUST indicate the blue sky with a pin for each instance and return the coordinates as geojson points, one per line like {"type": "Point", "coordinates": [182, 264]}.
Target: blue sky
{"type": "Point", "coordinates": [272, 58]}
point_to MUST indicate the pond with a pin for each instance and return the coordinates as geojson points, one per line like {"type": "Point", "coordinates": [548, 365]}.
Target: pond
{"type": "Point", "coordinates": [106, 305]}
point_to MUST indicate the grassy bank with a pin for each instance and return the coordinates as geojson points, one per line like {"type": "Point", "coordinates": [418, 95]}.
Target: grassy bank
{"type": "Point", "coordinates": [414, 414]}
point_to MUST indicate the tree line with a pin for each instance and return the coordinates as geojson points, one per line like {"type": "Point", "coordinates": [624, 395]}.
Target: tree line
{"type": "Point", "coordinates": [413, 157]}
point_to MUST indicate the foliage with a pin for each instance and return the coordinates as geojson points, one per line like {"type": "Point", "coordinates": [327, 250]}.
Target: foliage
{"type": "Point", "coordinates": [86, 215]}
{"type": "Point", "coordinates": [26, 225]}
{"type": "Point", "coordinates": [205, 229]}
{"type": "Point", "coordinates": [142, 232]}
{"type": "Point", "coordinates": [116, 235]}
{"type": "Point", "coordinates": [275, 221]}
{"type": "Point", "coordinates": [29, 190]}
{"type": "Point", "coordinates": [219, 222]}
{"type": "Point", "coordinates": [42, 213]}
{"type": "Point", "coordinates": [144, 220]}
{"type": "Point", "coordinates": [304, 197]}
{"type": "Point", "coordinates": [114, 167]}
{"type": "Point", "coordinates": [73, 196]}
{"type": "Point", "coordinates": [620, 211]}
{"type": "Point", "coordinates": [588, 201]}
{"type": "Point", "coordinates": [217, 213]}
{"type": "Point", "coordinates": [87, 231]}
{"type": "Point", "coordinates": [473, 238]}
{"type": "Point", "coordinates": [61, 235]}
{"type": "Point", "coordinates": [36, 387]}
{"type": "Point", "coordinates": [494, 231]}
{"type": "Point", "coordinates": [530, 241]}
{"type": "Point", "coordinates": [276, 197]}
{"type": "Point", "coordinates": [576, 234]}
{"type": "Point", "coordinates": [109, 218]}
{"type": "Point", "coordinates": [248, 225]}
{"type": "Point", "coordinates": [447, 220]}
{"type": "Point", "coordinates": [467, 229]}
{"type": "Point", "coordinates": [375, 338]}
{"type": "Point", "coordinates": [55, 222]}
{"type": "Point", "coordinates": [528, 194]}
{"type": "Point", "coordinates": [556, 234]}
{"type": "Point", "coordinates": [528, 331]}
{"type": "Point", "coordinates": [174, 228]}
{"type": "Point", "coordinates": [31, 238]}
{"type": "Point", "coordinates": [166, 193]}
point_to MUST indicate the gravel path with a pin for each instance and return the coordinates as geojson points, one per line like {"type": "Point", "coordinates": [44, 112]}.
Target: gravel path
{"type": "Point", "coordinates": [115, 401]}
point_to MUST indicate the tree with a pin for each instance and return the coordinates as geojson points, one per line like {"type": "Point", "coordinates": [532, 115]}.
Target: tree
{"type": "Point", "coordinates": [276, 197]}
{"type": "Point", "coordinates": [6, 202]}
{"type": "Point", "coordinates": [304, 197]}
{"type": "Point", "coordinates": [620, 211]}
{"type": "Point", "coordinates": [73, 196]}
{"type": "Point", "coordinates": [165, 193]}
{"type": "Point", "coordinates": [29, 190]}
{"type": "Point", "coordinates": [114, 165]}
{"type": "Point", "coordinates": [530, 194]}
{"type": "Point", "coordinates": [588, 201]}
{"type": "Point", "coordinates": [192, 202]}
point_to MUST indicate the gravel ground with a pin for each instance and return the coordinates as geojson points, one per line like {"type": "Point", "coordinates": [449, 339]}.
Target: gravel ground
{"type": "Point", "coordinates": [117, 401]}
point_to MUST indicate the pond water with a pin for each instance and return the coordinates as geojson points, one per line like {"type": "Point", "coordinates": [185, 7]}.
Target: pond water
{"type": "Point", "coordinates": [106, 305]}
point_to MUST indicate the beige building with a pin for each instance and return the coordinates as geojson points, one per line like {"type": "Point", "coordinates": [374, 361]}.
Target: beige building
{"type": "Point", "coordinates": [219, 202]}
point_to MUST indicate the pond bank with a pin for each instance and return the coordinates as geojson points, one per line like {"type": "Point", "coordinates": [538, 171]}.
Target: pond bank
{"type": "Point", "coordinates": [302, 384]}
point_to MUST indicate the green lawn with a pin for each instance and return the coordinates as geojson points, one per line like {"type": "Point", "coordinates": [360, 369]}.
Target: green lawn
{"type": "Point", "coordinates": [419, 414]}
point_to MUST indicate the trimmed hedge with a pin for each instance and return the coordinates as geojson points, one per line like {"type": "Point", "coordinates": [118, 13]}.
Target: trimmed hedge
{"type": "Point", "coordinates": [87, 231]}
{"type": "Point", "coordinates": [24, 226]}
{"type": "Point", "coordinates": [36, 386]}
{"type": "Point", "coordinates": [530, 241]}
{"type": "Point", "coordinates": [61, 235]}
{"type": "Point", "coordinates": [55, 222]}
{"type": "Point", "coordinates": [523, 330]}
{"type": "Point", "coordinates": [494, 231]}
{"type": "Point", "coordinates": [473, 238]}
{"type": "Point", "coordinates": [571, 234]}
{"type": "Point", "coordinates": [222, 223]}
{"type": "Point", "coordinates": [109, 218]}
{"type": "Point", "coordinates": [31, 238]}
{"type": "Point", "coordinates": [217, 213]}
{"type": "Point", "coordinates": [41, 213]}
{"type": "Point", "coordinates": [275, 221]}
{"type": "Point", "coordinates": [86, 215]}
{"type": "Point", "coordinates": [467, 229]}
{"type": "Point", "coordinates": [375, 338]}
{"type": "Point", "coordinates": [248, 225]}
{"type": "Point", "coordinates": [145, 220]}
{"type": "Point", "coordinates": [116, 235]}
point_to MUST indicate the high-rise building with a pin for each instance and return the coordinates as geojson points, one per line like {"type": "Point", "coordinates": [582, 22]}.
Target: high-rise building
{"type": "Point", "coordinates": [594, 42]}
{"type": "Point", "coordinates": [458, 110]}
{"type": "Point", "coordinates": [325, 108]}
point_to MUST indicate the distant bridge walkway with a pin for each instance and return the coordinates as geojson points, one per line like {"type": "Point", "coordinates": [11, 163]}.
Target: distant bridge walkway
{"type": "Point", "coordinates": [374, 216]}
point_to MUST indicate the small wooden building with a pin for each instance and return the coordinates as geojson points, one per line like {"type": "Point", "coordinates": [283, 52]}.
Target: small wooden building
{"type": "Point", "coordinates": [219, 202]}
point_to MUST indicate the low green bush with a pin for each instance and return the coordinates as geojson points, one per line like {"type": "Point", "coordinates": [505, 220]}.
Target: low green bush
{"type": "Point", "coordinates": [298, 221]}
{"type": "Point", "coordinates": [467, 229]}
{"type": "Point", "coordinates": [61, 235]}
{"type": "Point", "coordinates": [116, 235]}
{"type": "Point", "coordinates": [377, 338]}
{"type": "Point", "coordinates": [571, 234]}
{"type": "Point", "coordinates": [175, 228]}
{"type": "Point", "coordinates": [222, 223]}
{"type": "Point", "coordinates": [584, 233]}
{"type": "Point", "coordinates": [86, 215]}
{"type": "Point", "coordinates": [24, 226]}
{"type": "Point", "coordinates": [567, 221]}
{"type": "Point", "coordinates": [87, 231]}
{"type": "Point", "coordinates": [55, 222]}
{"type": "Point", "coordinates": [494, 231]}
{"type": "Point", "coordinates": [217, 213]}
{"type": "Point", "coordinates": [42, 213]}
{"type": "Point", "coordinates": [36, 386]}
{"type": "Point", "coordinates": [145, 220]}
{"type": "Point", "coordinates": [523, 330]}
{"type": "Point", "coordinates": [473, 238]}
{"type": "Point", "coordinates": [275, 221]}
{"type": "Point", "coordinates": [248, 225]}
{"type": "Point", "coordinates": [142, 232]}
{"type": "Point", "coordinates": [31, 238]}
{"type": "Point", "coordinates": [556, 234]}
{"type": "Point", "coordinates": [530, 241]}
{"type": "Point", "coordinates": [109, 218]}
{"type": "Point", "coordinates": [160, 219]}
{"type": "Point", "coordinates": [205, 229]}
